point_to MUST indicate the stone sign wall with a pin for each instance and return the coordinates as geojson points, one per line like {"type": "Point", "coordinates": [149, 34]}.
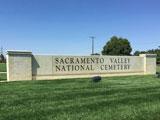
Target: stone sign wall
{"type": "Point", "coordinates": [26, 66]}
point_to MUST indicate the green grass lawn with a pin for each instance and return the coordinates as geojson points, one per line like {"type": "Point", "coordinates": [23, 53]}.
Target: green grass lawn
{"type": "Point", "coordinates": [2, 67]}
{"type": "Point", "coordinates": [158, 68]}
{"type": "Point", "coordinates": [3, 76]}
{"type": "Point", "coordinates": [114, 98]}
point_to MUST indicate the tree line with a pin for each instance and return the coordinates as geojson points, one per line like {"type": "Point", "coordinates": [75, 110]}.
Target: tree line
{"type": "Point", "coordinates": [152, 51]}
{"type": "Point", "coordinates": [121, 46]}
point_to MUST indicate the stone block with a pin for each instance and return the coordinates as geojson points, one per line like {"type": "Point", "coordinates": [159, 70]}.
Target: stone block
{"type": "Point", "coordinates": [19, 65]}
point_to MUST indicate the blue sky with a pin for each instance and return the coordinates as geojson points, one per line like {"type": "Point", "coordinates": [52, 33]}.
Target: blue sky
{"type": "Point", "coordinates": [64, 26]}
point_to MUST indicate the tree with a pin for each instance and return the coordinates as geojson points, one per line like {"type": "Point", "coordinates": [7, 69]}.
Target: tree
{"type": "Point", "coordinates": [2, 59]}
{"type": "Point", "coordinates": [136, 53]}
{"type": "Point", "coordinates": [117, 46]}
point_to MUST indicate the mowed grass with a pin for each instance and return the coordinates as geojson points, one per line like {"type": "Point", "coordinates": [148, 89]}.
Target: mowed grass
{"type": "Point", "coordinates": [158, 68]}
{"type": "Point", "coordinates": [2, 67]}
{"type": "Point", "coordinates": [3, 76]}
{"type": "Point", "coordinates": [114, 98]}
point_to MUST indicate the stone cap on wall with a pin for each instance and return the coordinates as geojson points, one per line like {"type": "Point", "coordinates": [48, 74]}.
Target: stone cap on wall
{"type": "Point", "coordinates": [148, 55]}
{"type": "Point", "coordinates": [18, 52]}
